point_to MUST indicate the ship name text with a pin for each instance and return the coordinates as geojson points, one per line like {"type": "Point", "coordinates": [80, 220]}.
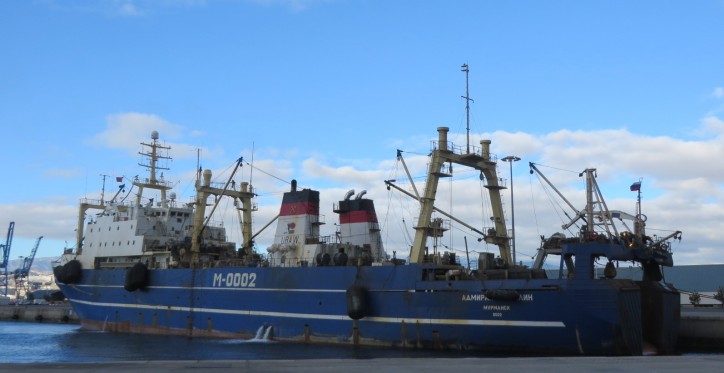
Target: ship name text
{"type": "Point", "coordinates": [290, 239]}
{"type": "Point", "coordinates": [526, 297]}
{"type": "Point", "coordinates": [234, 280]}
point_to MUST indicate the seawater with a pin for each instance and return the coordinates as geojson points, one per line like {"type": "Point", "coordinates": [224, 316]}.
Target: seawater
{"type": "Point", "coordinates": [22, 342]}
{"type": "Point", "coordinates": [25, 342]}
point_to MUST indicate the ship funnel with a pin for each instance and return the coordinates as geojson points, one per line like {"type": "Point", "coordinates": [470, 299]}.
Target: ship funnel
{"type": "Point", "coordinates": [362, 193]}
{"type": "Point", "coordinates": [297, 233]}
{"type": "Point", "coordinates": [348, 195]}
{"type": "Point", "coordinates": [442, 134]}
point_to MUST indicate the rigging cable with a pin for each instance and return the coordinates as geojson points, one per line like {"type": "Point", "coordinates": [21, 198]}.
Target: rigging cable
{"type": "Point", "coordinates": [535, 211]}
{"type": "Point", "coordinates": [385, 226]}
{"type": "Point", "coordinates": [266, 173]}
{"type": "Point", "coordinates": [555, 203]}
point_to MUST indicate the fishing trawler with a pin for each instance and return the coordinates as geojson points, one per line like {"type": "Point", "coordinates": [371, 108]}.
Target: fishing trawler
{"type": "Point", "coordinates": [159, 266]}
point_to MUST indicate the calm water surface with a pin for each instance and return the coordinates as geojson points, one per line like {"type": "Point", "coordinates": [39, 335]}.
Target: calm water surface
{"type": "Point", "coordinates": [22, 342]}
{"type": "Point", "coordinates": [34, 343]}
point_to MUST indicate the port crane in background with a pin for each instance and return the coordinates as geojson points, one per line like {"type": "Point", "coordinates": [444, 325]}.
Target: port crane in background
{"type": "Point", "coordinates": [21, 273]}
{"type": "Point", "coordinates": [5, 260]}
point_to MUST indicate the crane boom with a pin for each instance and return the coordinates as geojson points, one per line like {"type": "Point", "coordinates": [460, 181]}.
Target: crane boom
{"type": "Point", "coordinates": [28, 261]}
{"type": "Point", "coordinates": [8, 243]}
{"type": "Point", "coordinates": [5, 258]}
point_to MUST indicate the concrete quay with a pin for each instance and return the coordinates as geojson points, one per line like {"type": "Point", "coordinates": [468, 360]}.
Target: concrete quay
{"type": "Point", "coordinates": [701, 327]}
{"type": "Point", "coordinates": [703, 363]}
{"type": "Point", "coordinates": [47, 313]}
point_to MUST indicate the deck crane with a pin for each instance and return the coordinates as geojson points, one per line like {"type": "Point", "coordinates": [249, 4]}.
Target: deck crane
{"type": "Point", "coordinates": [5, 259]}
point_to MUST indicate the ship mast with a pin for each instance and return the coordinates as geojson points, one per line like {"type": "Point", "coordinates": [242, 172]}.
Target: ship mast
{"type": "Point", "coordinates": [443, 156]}
{"type": "Point", "coordinates": [153, 182]}
{"type": "Point", "coordinates": [464, 68]}
{"type": "Point", "coordinates": [639, 223]}
{"type": "Point", "coordinates": [205, 189]}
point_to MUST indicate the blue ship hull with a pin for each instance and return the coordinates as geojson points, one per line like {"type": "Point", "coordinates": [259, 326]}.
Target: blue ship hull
{"type": "Point", "coordinates": [403, 306]}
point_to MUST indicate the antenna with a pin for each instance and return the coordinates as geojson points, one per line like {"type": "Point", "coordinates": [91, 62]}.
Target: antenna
{"type": "Point", "coordinates": [251, 171]}
{"type": "Point", "coordinates": [464, 68]}
{"type": "Point", "coordinates": [198, 166]}
{"type": "Point", "coordinates": [103, 188]}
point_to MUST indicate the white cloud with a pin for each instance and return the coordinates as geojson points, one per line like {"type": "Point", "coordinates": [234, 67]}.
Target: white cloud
{"type": "Point", "coordinates": [345, 175]}
{"type": "Point", "coordinates": [124, 131]}
{"type": "Point", "coordinates": [57, 215]}
{"type": "Point", "coordinates": [712, 124]}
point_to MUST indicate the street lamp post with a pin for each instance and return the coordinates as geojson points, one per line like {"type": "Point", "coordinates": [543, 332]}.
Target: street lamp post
{"type": "Point", "coordinates": [510, 159]}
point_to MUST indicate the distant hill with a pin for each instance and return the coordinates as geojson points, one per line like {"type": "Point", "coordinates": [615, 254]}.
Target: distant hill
{"type": "Point", "coordinates": [39, 264]}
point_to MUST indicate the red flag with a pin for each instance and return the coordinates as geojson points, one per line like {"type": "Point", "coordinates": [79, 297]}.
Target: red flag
{"type": "Point", "coordinates": [119, 178]}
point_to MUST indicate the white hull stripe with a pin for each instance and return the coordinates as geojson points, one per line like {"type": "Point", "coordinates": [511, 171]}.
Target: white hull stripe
{"type": "Point", "coordinates": [396, 320]}
{"type": "Point", "coordinates": [224, 288]}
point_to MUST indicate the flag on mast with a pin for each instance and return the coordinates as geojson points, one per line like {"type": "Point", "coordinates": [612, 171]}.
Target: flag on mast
{"type": "Point", "coordinates": [636, 186]}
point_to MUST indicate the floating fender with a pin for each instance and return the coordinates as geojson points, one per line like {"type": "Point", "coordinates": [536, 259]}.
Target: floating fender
{"type": "Point", "coordinates": [59, 273]}
{"type": "Point", "coordinates": [502, 294]}
{"type": "Point", "coordinates": [136, 277]}
{"type": "Point", "coordinates": [357, 302]}
{"type": "Point", "coordinates": [72, 272]}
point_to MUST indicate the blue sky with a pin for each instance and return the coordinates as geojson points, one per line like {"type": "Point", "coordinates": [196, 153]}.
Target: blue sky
{"type": "Point", "coordinates": [325, 91]}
